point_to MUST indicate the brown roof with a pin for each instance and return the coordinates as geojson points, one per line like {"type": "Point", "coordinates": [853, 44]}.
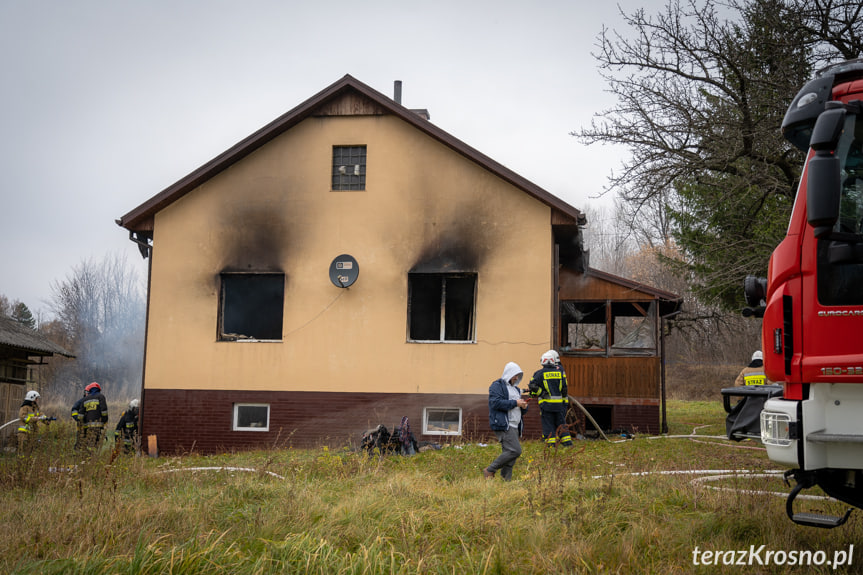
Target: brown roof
{"type": "Point", "coordinates": [671, 302]}
{"type": "Point", "coordinates": [141, 218]}
{"type": "Point", "coordinates": [17, 335]}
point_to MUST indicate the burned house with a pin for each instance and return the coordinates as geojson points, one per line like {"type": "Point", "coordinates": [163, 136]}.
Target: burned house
{"type": "Point", "coordinates": [346, 265]}
{"type": "Point", "coordinates": [22, 350]}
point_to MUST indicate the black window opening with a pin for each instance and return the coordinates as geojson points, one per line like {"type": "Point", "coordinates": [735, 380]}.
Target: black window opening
{"type": "Point", "coordinates": [349, 168]}
{"type": "Point", "coordinates": [608, 328]}
{"type": "Point", "coordinates": [441, 307]}
{"type": "Point", "coordinates": [252, 306]}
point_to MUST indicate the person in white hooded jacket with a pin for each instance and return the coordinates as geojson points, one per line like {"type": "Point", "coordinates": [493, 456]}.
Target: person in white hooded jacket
{"type": "Point", "coordinates": [505, 410]}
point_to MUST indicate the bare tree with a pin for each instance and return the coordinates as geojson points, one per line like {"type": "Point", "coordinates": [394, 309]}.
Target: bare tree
{"type": "Point", "coordinates": [834, 26]}
{"type": "Point", "coordinates": [100, 309]}
{"type": "Point", "coordinates": [701, 90]}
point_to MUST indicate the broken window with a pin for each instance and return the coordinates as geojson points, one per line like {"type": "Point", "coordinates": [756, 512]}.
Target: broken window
{"type": "Point", "coordinates": [608, 328]}
{"type": "Point", "coordinates": [349, 167]}
{"type": "Point", "coordinates": [251, 417]}
{"type": "Point", "coordinates": [585, 327]}
{"type": "Point", "coordinates": [634, 328]}
{"type": "Point", "coordinates": [441, 307]}
{"type": "Point", "coordinates": [252, 306]}
{"type": "Point", "coordinates": [442, 421]}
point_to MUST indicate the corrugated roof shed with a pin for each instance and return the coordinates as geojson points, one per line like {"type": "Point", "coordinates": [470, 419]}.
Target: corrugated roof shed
{"type": "Point", "coordinates": [16, 335]}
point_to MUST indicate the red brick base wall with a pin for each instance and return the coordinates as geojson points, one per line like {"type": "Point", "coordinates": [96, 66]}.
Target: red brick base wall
{"type": "Point", "coordinates": [187, 421]}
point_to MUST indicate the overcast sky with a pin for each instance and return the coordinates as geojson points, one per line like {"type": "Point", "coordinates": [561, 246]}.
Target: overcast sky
{"type": "Point", "coordinates": [105, 102]}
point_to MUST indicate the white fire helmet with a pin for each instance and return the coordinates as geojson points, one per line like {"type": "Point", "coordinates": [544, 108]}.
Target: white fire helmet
{"type": "Point", "coordinates": [757, 355]}
{"type": "Point", "coordinates": [133, 404]}
{"type": "Point", "coordinates": [550, 357]}
{"type": "Point", "coordinates": [32, 396]}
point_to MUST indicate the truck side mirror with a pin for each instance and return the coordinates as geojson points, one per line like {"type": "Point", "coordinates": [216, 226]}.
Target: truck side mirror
{"type": "Point", "coordinates": [824, 181]}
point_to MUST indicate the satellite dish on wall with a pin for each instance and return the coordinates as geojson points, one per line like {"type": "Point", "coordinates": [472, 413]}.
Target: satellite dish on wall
{"type": "Point", "coordinates": [344, 271]}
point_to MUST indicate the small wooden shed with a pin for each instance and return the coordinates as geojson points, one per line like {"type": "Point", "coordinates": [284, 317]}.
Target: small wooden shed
{"type": "Point", "coordinates": [21, 350]}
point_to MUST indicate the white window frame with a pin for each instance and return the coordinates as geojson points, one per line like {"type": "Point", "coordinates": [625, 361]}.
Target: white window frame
{"type": "Point", "coordinates": [235, 425]}
{"type": "Point", "coordinates": [427, 431]}
{"type": "Point", "coordinates": [443, 277]}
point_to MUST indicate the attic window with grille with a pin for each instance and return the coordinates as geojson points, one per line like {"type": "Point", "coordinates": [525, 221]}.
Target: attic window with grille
{"type": "Point", "coordinates": [441, 307]}
{"type": "Point", "coordinates": [349, 167]}
{"type": "Point", "coordinates": [251, 306]}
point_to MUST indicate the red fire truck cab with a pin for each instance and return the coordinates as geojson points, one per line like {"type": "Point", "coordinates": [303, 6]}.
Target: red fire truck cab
{"type": "Point", "coordinates": [812, 300]}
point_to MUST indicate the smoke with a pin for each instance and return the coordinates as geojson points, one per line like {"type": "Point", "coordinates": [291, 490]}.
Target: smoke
{"type": "Point", "coordinates": [100, 310]}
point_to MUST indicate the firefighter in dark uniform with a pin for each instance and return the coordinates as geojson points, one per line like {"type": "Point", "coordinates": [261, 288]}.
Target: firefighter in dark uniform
{"type": "Point", "coordinates": [549, 386]}
{"type": "Point", "coordinates": [127, 428]}
{"type": "Point", "coordinates": [95, 416]}
{"type": "Point", "coordinates": [78, 416]}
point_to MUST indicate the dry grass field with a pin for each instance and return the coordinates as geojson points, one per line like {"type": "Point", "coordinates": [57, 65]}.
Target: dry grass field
{"type": "Point", "coordinates": [642, 505]}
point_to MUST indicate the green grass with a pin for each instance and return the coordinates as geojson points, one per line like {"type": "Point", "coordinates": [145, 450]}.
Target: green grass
{"type": "Point", "coordinates": [580, 510]}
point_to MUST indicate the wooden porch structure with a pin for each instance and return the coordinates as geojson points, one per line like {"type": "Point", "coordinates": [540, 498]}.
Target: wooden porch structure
{"type": "Point", "coordinates": [609, 335]}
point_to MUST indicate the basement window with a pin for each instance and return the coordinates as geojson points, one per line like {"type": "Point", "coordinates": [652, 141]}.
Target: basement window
{"type": "Point", "coordinates": [442, 421]}
{"type": "Point", "coordinates": [349, 167]}
{"type": "Point", "coordinates": [251, 417]}
{"type": "Point", "coordinates": [441, 307]}
{"type": "Point", "coordinates": [251, 306]}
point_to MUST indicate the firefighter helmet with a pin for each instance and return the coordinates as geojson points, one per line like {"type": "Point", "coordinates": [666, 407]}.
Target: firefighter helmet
{"type": "Point", "coordinates": [133, 404]}
{"type": "Point", "coordinates": [32, 396]}
{"type": "Point", "coordinates": [757, 355]}
{"type": "Point", "coordinates": [550, 357]}
{"type": "Point", "coordinates": [93, 387]}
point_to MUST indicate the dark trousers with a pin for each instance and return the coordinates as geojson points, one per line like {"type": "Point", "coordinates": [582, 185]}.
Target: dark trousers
{"type": "Point", "coordinates": [551, 422]}
{"type": "Point", "coordinates": [510, 451]}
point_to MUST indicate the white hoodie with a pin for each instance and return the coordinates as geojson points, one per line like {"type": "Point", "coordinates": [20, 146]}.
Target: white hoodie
{"type": "Point", "coordinates": [514, 414]}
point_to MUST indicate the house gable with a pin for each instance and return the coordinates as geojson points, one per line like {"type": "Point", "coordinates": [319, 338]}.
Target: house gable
{"type": "Point", "coordinates": [346, 97]}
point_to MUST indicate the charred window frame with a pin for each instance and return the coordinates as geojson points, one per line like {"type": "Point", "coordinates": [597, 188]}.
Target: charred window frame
{"type": "Point", "coordinates": [608, 328]}
{"type": "Point", "coordinates": [251, 306]}
{"type": "Point", "coordinates": [441, 307]}
{"type": "Point", "coordinates": [251, 417]}
{"type": "Point", "coordinates": [442, 421]}
{"type": "Point", "coordinates": [349, 168]}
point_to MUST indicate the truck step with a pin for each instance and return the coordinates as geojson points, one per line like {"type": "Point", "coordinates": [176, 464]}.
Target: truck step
{"type": "Point", "coordinates": [821, 437]}
{"type": "Point", "coordinates": [815, 520]}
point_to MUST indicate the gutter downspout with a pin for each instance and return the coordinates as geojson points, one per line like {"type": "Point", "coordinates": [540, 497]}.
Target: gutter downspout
{"type": "Point", "coordinates": [662, 320]}
{"type": "Point", "coordinates": [146, 251]}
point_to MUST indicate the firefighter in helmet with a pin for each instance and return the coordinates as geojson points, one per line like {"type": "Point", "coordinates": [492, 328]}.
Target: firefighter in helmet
{"type": "Point", "coordinates": [548, 385]}
{"type": "Point", "coordinates": [78, 416]}
{"type": "Point", "coordinates": [95, 415]}
{"type": "Point", "coordinates": [753, 374]}
{"type": "Point", "coordinates": [30, 417]}
{"type": "Point", "coordinates": [127, 427]}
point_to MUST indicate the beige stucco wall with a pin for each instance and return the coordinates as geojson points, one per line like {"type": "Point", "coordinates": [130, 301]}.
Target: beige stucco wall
{"type": "Point", "coordinates": [274, 211]}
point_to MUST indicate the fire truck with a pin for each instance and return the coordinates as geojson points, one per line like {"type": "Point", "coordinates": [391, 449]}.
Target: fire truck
{"type": "Point", "coordinates": [812, 301]}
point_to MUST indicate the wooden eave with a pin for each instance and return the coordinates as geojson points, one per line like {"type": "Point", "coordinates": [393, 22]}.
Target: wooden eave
{"type": "Point", "coordinates": [325, 103]}
{"type": "Point", "coordinates": [669, 302]}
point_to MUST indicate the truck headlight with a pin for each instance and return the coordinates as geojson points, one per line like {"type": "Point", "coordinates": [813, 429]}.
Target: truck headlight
{"type": "Point", "coordinates": [775, 428]}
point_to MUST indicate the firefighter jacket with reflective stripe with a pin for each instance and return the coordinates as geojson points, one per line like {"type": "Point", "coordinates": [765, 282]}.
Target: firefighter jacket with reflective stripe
{"type": "Point", "coordinates": [78, 410]}
{"type": "Point", "coordinates": [549, 385]}
{"type": "Point", "coordinates": [752, 374]}
{"type": "Point", "coordinates": [95, 410]}
{"type": "Point", "coordinates": [29, 416]}
{"type": "Point", "coordinates": [128, 425]}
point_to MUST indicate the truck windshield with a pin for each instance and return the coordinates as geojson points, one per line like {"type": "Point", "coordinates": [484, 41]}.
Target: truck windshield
{"type": "Point", "coordinates": [842, 283]}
